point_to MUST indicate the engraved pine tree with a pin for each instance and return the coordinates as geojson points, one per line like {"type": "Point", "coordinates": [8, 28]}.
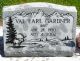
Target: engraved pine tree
{"type": "Point", "coordinates": [11, 32]}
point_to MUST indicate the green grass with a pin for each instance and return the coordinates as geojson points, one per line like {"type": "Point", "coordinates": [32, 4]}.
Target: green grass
{"type": "Point", "coordinates": [61, 2]}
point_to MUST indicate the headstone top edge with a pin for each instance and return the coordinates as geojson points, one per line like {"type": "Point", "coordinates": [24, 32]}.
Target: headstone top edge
{"type": "Point", "coordinates": [40, 4]}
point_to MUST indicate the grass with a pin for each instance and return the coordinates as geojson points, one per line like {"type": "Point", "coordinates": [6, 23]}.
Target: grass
{"type": "Point", "coordinates": [61, 2]}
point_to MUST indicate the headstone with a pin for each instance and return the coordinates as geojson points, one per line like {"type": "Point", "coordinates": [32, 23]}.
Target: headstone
{"type": "Point", "coordinates": [39, 29]}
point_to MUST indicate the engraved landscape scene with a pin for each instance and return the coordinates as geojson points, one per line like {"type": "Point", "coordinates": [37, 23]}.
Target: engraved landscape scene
{"type": "Point", "coordinates": [39, 34]}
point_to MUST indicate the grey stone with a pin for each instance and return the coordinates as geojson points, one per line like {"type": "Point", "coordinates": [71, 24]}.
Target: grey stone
{"type": "Point", "coordinates": [39, 29]}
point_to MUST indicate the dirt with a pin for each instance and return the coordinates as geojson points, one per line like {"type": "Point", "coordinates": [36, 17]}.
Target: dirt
{"type": "Point", "coordinates": [1, 23]}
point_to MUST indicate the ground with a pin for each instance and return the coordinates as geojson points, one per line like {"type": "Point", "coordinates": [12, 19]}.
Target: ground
{"type": "Point", "coordinates": [1, 23]}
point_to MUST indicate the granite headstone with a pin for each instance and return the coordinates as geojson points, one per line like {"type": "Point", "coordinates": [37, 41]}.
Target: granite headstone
{"type": "Point", "coordinates": [39, 29]}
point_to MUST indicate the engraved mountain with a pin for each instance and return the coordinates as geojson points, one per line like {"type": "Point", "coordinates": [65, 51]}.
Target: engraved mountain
{"type": "Point", "coordinates": [40, 13]}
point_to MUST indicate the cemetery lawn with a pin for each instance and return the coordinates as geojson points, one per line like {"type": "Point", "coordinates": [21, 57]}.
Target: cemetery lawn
{"type": "Point", "coordinates": [61, 2]}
